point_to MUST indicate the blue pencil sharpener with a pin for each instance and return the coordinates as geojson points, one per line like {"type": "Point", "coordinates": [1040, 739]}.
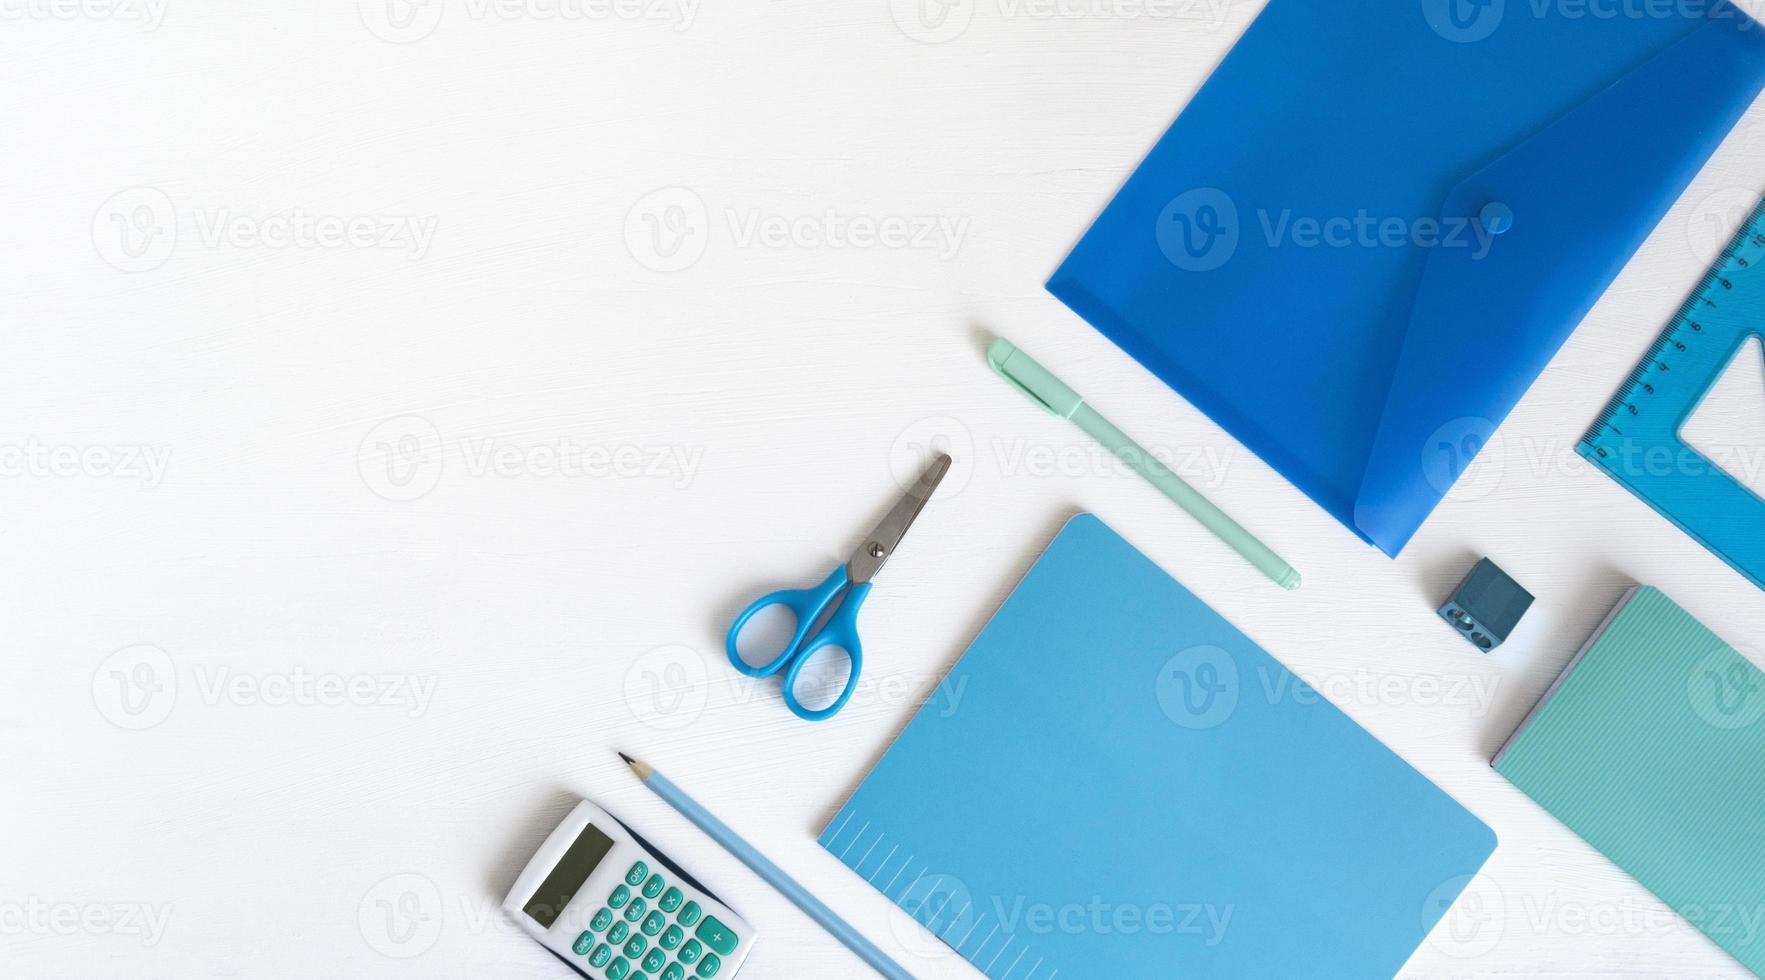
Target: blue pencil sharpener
{"type": "Point", "coordinates": [1486, 606]}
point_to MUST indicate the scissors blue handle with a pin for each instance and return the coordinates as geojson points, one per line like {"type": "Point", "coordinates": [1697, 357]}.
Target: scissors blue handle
{"type": "Point", "coordinates": [827, 615]}
{"type": "Point", "coordinates": [840, 631]}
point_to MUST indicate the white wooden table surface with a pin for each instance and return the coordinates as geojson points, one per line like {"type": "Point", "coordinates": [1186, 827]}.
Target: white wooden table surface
{"type": "Point", "coordinates": [402, 396]}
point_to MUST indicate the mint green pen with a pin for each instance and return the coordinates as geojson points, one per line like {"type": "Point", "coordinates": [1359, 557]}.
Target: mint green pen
{"type": "Point", "coordinates": [1051, 393]}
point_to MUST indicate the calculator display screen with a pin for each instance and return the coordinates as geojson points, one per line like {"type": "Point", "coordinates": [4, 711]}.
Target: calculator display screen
{"type": "Point", "coordinates": [571, 871]}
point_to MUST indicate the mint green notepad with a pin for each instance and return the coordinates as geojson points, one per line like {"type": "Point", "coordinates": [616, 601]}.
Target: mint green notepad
{"type": "Point", "coordinates": [1651, 746]}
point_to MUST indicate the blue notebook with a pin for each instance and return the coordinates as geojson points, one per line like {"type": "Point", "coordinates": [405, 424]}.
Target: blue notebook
{"type": "Point", "coordinates": [1376, 223]}
{"type": "Point", "coordinates": [1130, 787]}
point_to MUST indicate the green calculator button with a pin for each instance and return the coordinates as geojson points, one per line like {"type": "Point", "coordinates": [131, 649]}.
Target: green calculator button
{"type": "Point", "coordinates": [717, 936]}
{"type": "Point", "coordinates": [689, 914]}
{"type": "Point", "coordinates": [709, 966]}
{"type": "Point", "coordinates": [654, 886]}
{"type": "Point", "coordinates": [671, 900]}
{"type": "Point", "coordinates": [601, 920]}
{"type": "Point", "coordinates": [617, 969]}
{"type": "Point", "coordinates": [635, 910]}
{"type": "Point", "coordinates": [674, 972]}
{"type": "Point", "coordinates": [637, 874]}
{"type": "Point", "coordinates": [617, 934]}
{"type": "Point", "coordinates": [635, 948]}
{"type": "Point", "coordinates": [620, 896]}
{"type": "Point", "coordinates": [654, 961]}
{"type": "Point", "coordinates": [654, 924]}
{"type": "Point", "coordinates": [690, 952]}
{"type": "Point", "coordinates": [600, 956]}
{"type": "Point", "coordinates": [584, 943]}
{"type": "Point", "coordinates": [671, 937]}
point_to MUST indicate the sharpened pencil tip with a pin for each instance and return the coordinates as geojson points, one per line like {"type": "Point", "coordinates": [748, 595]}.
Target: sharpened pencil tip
{"type": "Point", "coordinates": [641, 770]}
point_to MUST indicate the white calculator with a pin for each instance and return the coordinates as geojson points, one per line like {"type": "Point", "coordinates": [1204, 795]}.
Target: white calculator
{"type": "Point", "coordinates": [601, 899]}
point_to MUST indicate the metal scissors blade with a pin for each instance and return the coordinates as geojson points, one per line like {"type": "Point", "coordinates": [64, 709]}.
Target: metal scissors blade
{"type": "Point", "coordinates": [876, 549]}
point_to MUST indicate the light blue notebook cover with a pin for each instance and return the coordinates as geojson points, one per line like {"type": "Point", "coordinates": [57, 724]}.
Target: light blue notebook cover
{"type": "Point", "coordinates": [1130, 787]}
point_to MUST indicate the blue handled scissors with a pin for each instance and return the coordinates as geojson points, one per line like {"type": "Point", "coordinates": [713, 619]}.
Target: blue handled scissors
{"type": "Point", "coordinates": [835, 602]}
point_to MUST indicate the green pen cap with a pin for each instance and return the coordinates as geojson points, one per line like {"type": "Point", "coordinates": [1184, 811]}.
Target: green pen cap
{"type": "Point", "coordinates": [1034, 380]}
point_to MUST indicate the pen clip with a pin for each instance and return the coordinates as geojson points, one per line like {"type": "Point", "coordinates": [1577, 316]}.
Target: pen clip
{"type": "Point", "coordinates": [1037, 383]}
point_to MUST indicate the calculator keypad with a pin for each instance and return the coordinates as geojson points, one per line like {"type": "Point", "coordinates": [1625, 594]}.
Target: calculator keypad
{"type": "Point", "coordinates": [613, 945]}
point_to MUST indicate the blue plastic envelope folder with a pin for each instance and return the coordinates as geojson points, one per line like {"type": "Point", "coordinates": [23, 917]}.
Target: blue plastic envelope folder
{"type": "Point", "coordinates": [1376, 223]}
{"type": "Point", "coordinates": [1118, 783]}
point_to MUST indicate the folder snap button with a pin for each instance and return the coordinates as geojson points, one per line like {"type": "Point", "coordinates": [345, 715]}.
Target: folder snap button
{"type": "Point", "coordinates": [1496, 218]}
